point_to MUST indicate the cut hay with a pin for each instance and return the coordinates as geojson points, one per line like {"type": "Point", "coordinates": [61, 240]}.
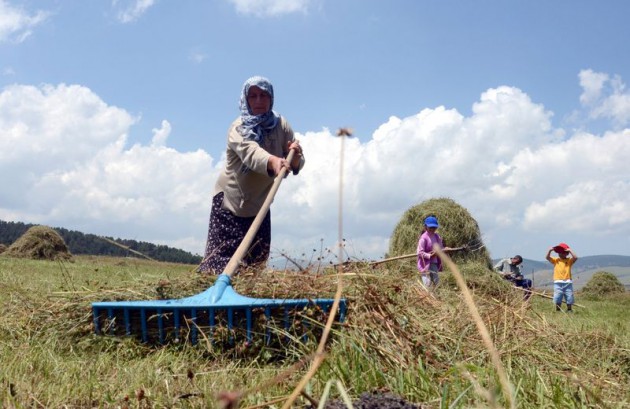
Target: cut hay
{"type": "Point", "coordinates": [457, 227]}
{"type": "Point", "coordinates": [395, 328]}
{"type": "Point", "coordinates": [603, 283]}
{"type": "Point", "coordinates": [39, 243]}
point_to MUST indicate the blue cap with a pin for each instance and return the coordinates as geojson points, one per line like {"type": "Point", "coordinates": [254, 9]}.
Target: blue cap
{"type": "Point", "coordinates": [431, 221]}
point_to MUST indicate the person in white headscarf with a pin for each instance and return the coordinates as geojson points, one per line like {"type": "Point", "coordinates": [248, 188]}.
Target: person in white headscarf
{"type": "Point", "coordinates": [258, 142]}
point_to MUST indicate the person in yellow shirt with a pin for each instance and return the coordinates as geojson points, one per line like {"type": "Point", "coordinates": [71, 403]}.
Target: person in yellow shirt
{"type": "Point", "coordinates": [562, 280]}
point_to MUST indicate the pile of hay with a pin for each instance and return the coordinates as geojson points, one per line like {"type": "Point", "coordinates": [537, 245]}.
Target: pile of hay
{"type": "Point", "coordinates": [457, 228]}
{"type": "Point", "coordinates": [406, 339]}
{"type": "Point", "coordinates": [39, 243]}
{"type": "Point", "coordinates": [3, 248]}
{"type": "Point", "coordinates": [601, 284]}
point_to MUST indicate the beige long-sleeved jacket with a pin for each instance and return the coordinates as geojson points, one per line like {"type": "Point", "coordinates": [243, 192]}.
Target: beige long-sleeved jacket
{"type": "Point", "coordinates": [244, 180]}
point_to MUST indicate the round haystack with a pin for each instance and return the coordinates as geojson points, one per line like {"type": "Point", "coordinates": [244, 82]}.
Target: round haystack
{"type": "Point", "coordinates": [603, 283]}
{"type": "Point", "coordinates": [457, 228]}
{"type": "Point", "coordinates": [39, 243]}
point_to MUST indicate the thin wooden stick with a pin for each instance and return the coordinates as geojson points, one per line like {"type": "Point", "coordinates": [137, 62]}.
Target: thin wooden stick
{"type": "Point", "coordinates": [545, 296]}
{"type": "Point", "coordinates": [320, 354]}
{"type": "Point", "coordinates": [295, 263]}
{"type": "Point", "coordinates": [122, 246]}
{"type": "Point", "coordinates": [375, 263]}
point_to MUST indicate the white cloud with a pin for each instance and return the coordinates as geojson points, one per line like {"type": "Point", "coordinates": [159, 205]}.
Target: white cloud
{"type": "Point", "coordinates": [65, 151]}
{"type": "Point", "coordinates": [592, 84]}
{"type": "Point", "coordinates": [527, 183]}
{"type": "Point", "coordinates": [605, 96]}
{"type": "Point", "coordinates": [197, 56]}
{"type": "Point", "coordinates": [580, 207]}
{"type": "Point", "coordinates": [17, 24]}
{"type": "Point", "coordinates": [588, 187]}
{"type": "Point", "coordinates": [160, 135]}
{"type": "Point", "coordinates": [505, 163]}
{"type": "Point", "coordinates": [264, 8]}
{"type": "Point", "coordinates": [131, 10]}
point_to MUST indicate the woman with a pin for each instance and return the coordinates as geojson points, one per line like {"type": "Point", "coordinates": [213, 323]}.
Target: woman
{"type": "Point", "coordinates": [258, 143]}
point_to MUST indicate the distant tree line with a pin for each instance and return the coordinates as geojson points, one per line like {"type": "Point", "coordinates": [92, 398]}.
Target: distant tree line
{"type": "Point", "coordinates": [91, 244]}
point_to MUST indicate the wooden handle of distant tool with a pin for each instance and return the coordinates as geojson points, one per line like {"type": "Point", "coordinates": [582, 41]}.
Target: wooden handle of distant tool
{"type": "Point", "coordinates": [375, 263]}
{"type": "Point", "coordinates": [545, 296]}
{"type": "Point", "coordinates": [242, 249]}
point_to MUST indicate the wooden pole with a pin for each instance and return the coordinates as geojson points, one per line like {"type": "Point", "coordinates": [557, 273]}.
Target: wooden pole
{"type": "Point", "coordinates": [446, 250]}
{"type": "Point", "coordinates": [546, 296]}
{"type": "Point", "coordinates": [122, 246]}
{"type": "Point", "coordinates": [375, 263]}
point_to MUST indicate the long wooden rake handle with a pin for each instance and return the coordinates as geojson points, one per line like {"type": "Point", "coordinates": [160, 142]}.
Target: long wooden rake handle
{"type": "Point", "coordinates": [375, 263]}
{"type": "Point", "coordinates": [237, 257]}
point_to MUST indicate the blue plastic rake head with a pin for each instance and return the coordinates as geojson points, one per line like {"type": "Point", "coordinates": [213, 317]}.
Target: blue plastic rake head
{"type": "Point", "coordinates": [217, 307]}
{"type": "Point", "coordinates": [212, 310]}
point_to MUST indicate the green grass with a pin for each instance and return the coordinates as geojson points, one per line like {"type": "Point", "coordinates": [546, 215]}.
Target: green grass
{"type": "Point", "coordinates": [398, 338]}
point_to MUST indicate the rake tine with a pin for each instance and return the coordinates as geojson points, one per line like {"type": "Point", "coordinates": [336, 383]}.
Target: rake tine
{"type": "Point", "coordinates": [326, 310]}
{"type": "Point", "coordinates": [479, 247]}
{"type": "Point", "coordinates": [268, 325]}
{"type": "Point", "coordinates": [160, 325]}
{"type": "Point", "coordinates": [97, 324]}
{"type": "Point", "coordinates": [306, 327]}
{"type": "Point", "coordinates": [211, 320]}
{"type": "Point", "coordinates": [145, 330]}
{"type": "Point", "coordinates": [193, 327]}
{"type": "Point", "coordinates": [286, 323]}
{"type": "Point", "coordinates": [342, 312]}
{"type": "Point", "coordinates": [110, 314]}
{"type": "Point", "coordinates": [176, 323]}
{"type": "Point", "coordinates": [230, 325]}
{"type": "Point", "coordinates": [95, 321]}
{"type": "Point", "coordinates": [127, 321]}
{"type": "Point", "coordinates": [248, 314]}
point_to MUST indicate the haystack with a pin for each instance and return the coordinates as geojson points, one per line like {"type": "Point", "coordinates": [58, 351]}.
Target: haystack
{"type": "Point", "coordinates": [3, 248]}
{"type": "Point", "coordinates": [457, 227]}
{"type": "Point", "coordinates": [603, 283]}
{"type": "Point", "coordinates": [39, 243]}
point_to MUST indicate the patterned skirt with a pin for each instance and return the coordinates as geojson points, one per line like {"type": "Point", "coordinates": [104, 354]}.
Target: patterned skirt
{"type": "Point", "coordinates": [226, 232]}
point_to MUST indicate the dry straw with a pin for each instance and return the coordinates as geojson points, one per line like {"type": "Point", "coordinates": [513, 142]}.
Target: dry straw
{"type": "Point", "coordinates": [508, 390]}
{"type": "Point", "coordinates": [392, 321]}
{"type": "Point", "coordinates": [602, 284]}
{"type": "Point", "coordinates": [39, 243]}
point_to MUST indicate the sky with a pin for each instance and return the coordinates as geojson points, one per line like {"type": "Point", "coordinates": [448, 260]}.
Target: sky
{"type": "Point", "coordinates": [114, 115]}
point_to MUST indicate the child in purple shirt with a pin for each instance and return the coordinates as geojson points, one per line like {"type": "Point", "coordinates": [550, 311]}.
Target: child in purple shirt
{"type": "Point", "coordinates": [429, 264]}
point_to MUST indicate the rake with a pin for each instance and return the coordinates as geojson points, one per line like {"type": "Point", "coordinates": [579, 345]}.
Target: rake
{"type": "Point", "coordinates": [473, 246]}
{"type": "Point", "coordinates": [208, 313]}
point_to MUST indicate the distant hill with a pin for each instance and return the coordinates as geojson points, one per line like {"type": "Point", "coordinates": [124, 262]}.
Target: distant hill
{"type": "Point", "coordinates": [91, 244]}
{"type": "Point", "coordinates": [541, 272]}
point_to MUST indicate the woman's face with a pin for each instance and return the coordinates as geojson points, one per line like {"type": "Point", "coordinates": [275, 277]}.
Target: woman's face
{"type": "Point", "coordinates": [259, 101]}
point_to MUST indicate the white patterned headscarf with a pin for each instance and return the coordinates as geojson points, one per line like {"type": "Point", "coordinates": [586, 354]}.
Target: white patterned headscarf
{"type": "Point", "coordinates": [256, 127]}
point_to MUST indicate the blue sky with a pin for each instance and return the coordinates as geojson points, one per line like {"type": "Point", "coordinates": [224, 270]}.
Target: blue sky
{"type": "Point", "coordinates": [113, 116]}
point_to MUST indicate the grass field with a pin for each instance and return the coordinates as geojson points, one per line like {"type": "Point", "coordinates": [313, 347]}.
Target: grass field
{"type": "Point", "coordinates": [398, 338]}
